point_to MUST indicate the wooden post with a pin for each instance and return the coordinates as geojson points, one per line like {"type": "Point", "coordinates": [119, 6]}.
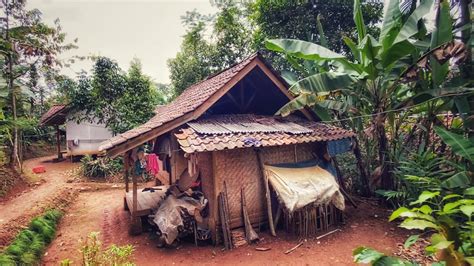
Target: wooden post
{"type": "Point", "coordinates": [135, 194]}
{"type": "Point", "coordinates": [136, 223]}
{"type": "Point", "coordinates": [126, 169]}
{"type": "Point", "coordinates": [267, 194]}
{"type": "Point", "coordinates": [214, 206]}
{"type": "Point", "coordinates": [58, 142]}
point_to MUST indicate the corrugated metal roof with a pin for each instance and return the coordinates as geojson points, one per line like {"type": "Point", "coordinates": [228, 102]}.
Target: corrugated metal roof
{"type": "Point", "coordinates": [219, 133]}
{"type": "Point", "coordinates": [246, 123]}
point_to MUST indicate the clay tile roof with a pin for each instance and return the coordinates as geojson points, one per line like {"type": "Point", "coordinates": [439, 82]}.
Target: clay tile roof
{"type": "Point", "coordinates": [56, 115]}
{"type": "Point", "coordinates": [238, 131]}
{"type": "Point", "coordinates": [185, 103]}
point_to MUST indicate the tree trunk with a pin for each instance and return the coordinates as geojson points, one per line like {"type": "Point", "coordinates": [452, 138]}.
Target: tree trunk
{"type": "Point", "coordinates": [386, 178]}
{"type": "Point", "coordinates": [15, 151]}
{"type": "Point", "coordinates": [364, 177]}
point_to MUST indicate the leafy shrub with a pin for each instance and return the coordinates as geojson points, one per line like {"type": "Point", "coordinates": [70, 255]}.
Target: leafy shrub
{"type": "Point", "coordinates": [93, 254]}
{"type": "Point", "coordinates": [29, 245]}
{"type": "Point", "coordinates": [450, 216]}
{"type": "Point", "coordinates": [101, 167]}
{"type": "Point", "coordinates": [367, 255]}
{"type": "Point", "coordinates": [426, 171]}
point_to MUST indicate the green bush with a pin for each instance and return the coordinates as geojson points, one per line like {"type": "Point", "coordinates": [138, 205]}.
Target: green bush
{"type": "Point", "coordinates": [93, 254]}
{"type": "Point", "coordinates": [29, 245]}
{"type": "Point", "coordinates": [100, 167]}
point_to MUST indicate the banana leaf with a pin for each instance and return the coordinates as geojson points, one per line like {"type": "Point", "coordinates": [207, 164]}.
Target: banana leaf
{"type": "Point", "coordinates": [322, 82]}
{"type": "Point", "coordinates": [458, 143]}
{"type": "Point", "coordinates": [302, 49]}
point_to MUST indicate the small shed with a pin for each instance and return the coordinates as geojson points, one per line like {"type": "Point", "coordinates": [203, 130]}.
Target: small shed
{"type": "Point", "coordinates": [225, 127]}
{"type": "Point", "coordinates": [82, 138]}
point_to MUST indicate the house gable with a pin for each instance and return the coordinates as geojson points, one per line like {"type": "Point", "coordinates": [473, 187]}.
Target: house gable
{"type": "Point", "coordinates": [208, 96]}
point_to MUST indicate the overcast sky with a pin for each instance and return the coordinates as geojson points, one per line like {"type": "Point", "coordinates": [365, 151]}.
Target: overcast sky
{"type": "Point", "coordinates": [150, 30]}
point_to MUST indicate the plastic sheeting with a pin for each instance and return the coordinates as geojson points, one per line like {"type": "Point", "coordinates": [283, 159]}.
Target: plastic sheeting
{"type": "Point", "coordinates": [168, 216]}
{"type": "Point", "coordinates": [297, 187]}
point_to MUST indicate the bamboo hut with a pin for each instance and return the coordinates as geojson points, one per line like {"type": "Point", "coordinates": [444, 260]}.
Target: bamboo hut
{"type": "Point", "coordinates": [225, 126]}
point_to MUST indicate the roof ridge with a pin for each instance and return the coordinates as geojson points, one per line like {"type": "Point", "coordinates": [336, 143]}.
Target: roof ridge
{"type": "Point", "coordinates": [249, 58]}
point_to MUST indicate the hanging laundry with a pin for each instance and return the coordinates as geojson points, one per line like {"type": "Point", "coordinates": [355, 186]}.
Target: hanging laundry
{"type": "Point", "coordinates": [152, 166]}
{"type": "Point", "coordinates": [140, 161]}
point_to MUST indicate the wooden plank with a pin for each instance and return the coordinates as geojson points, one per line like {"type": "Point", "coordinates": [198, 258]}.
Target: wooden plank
{"type": "Point", "coordinates": [267, 194]}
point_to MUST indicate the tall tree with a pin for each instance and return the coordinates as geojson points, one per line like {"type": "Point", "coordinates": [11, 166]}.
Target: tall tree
{"type": "Point", "coordinates": [194, 61]}
{"type": "Point", "coordinates": [26, 41]}
{"type": "Point", "coordinates": [202, 55]}
{"type": "Point", "coordinates": [119, 100]}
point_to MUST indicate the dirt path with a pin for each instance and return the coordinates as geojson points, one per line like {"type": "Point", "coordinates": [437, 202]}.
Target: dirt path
{"type": "Point", "coordinates": [366, 225]}
{"type": "Point", "coordinates": [100, 209]}
{"type": "Point", "coordinates": [51, 181]}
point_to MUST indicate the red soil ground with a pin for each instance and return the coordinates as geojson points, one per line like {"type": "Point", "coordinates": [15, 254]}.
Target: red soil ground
{"type": "Point", "coordinates": [102, 211]}
{"type": "Point", "coordinates": [24, 198]}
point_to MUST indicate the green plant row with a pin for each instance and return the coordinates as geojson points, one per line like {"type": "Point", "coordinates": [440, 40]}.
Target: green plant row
{"type": "Point", "coordinates": [28, 246]}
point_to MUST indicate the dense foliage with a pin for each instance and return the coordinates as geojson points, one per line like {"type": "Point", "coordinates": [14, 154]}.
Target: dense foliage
{"type": "Point", "coordinates": [404, 72]}
{"type": "Point", "coordinates": [29, 51]}
{"type": "Point", "coordinates": [120, 100]}
{"type": "Point", "coordinates": [100, 167]}
{"type": "Point", "coordinates": [201, 55]}
{"type": "Point", "coordinates": [238, 29]}
{"type": "Point", "coordinates": [28, 246]}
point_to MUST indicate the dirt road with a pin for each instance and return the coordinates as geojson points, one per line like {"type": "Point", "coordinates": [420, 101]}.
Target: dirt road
{"type": "Point", "coordinates": [51, 181]}
{"type": "Point", "coordinates": [103, 212]}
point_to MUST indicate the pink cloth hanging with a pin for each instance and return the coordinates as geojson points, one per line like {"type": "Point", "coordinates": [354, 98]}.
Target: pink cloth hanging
{"type": "Point", "coordinates": [152, 166]}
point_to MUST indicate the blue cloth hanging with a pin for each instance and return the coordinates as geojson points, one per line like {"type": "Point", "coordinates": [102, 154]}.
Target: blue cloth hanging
{"type": "Point", "coordinates": [336, 147]}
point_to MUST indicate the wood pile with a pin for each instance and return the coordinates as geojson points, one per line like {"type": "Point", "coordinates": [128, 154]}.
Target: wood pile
{"type": "Point", "coordinates": [224, 214]}
{"type": "Point", "coordinates": [310, 220]}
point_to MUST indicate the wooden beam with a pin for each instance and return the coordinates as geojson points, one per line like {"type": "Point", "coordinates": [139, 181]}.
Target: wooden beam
{"type": "Point", "coordinates": [126, 169]}
{"type": "Point", "coordinates": [135, 193]}
{"type": "Point", "coordinates": [267, 193]}
{"type": "Point", "coordinates": [214, 210]}
{"type": "Point", "coordinates": [154, 133]}
{"type": "Point", "coordinates": [58, 142]}
{"type": "Point", "coordinates": [234, 101]}
{"type": "Point", "coordinates": [283, 88]}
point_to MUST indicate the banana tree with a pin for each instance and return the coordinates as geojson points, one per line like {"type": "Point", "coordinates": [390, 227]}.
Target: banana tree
{"type": "Point", "coordinates": [380, 75]}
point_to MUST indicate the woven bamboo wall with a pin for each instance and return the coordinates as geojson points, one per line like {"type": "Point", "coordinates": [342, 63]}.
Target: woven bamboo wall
{"type": "Point", "coordinates": [239, 168]}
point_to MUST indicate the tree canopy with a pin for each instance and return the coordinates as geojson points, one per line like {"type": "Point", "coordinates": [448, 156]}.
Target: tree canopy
{"type": "Point", "coordinates": [120, 100]}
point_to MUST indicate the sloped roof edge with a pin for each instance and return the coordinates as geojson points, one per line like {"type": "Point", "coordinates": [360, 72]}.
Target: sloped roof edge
{"type": "Point", "coordinates": [187, 106]}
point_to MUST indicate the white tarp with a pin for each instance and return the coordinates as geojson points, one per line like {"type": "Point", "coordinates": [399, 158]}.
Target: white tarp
{"type": "Point", "coordinates": [297, 187]}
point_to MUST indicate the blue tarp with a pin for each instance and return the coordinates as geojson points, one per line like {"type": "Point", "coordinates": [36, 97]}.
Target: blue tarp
{"type": "Point", "coordinates": [336, 147]}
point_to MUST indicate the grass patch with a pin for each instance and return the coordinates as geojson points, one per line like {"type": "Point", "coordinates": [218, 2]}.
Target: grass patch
{"type": "Point", "coordinates": [30, 244]}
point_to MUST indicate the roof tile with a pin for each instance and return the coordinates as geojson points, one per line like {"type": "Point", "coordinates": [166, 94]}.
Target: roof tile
{"type": "Point", "coordinates": [204, 139]}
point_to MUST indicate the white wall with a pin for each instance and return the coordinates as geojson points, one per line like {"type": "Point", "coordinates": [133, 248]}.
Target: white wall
{"type": "Point", "coordinates": [89, 136]}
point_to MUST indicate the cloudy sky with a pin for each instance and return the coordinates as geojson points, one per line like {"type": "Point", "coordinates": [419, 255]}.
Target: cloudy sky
{"type": "Point", "coordinates": [150, 30]}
